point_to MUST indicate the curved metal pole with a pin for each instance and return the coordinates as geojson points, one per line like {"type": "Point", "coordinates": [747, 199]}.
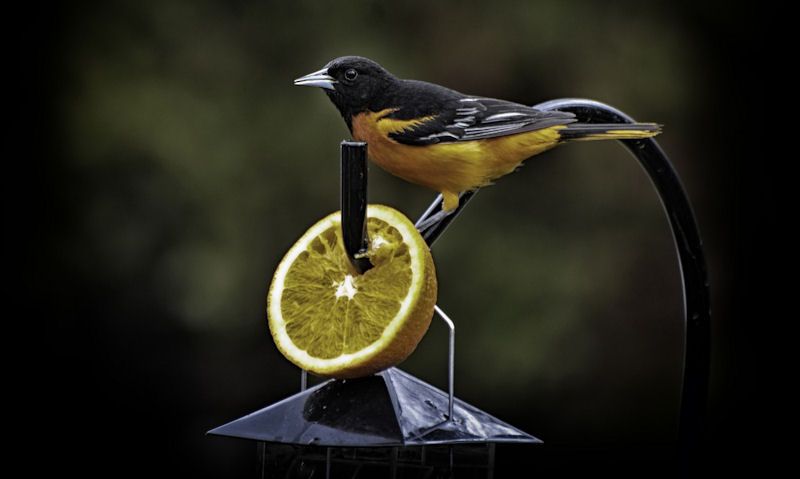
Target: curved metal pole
{"type": "Point", "coordinates": [697, 307]}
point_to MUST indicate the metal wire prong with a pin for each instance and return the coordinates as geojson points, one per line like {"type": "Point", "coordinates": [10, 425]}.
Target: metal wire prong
{"type": "Point", "coordinates": [451, 359]}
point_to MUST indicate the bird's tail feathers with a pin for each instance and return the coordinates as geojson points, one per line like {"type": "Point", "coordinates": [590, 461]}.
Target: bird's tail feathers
{"type": "Point", "coordinates": [609, 131]}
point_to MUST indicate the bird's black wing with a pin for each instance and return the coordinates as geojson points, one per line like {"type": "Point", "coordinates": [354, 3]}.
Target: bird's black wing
{"type": "Point", "coordinates": [469, 118]}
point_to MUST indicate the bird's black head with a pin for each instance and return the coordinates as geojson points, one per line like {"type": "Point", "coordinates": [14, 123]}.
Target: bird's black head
{"type": "Point", "coordinates": [354, 84]}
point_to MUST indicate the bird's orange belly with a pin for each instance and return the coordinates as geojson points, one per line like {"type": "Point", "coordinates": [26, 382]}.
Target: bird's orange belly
{"type": "Point", "coordinates": [454, 167]}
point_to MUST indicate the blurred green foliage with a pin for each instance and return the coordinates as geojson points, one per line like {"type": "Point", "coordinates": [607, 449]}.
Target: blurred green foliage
{"type": "Point", "coordinates": [199, 164]}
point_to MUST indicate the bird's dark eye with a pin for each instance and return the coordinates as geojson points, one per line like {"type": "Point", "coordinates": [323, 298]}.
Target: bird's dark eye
{"type": "Point", "coordinates": [350, 74]}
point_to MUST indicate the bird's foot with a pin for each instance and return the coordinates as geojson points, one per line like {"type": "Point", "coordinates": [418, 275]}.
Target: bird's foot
{"type": "Point", "coordinates": [427, 223]}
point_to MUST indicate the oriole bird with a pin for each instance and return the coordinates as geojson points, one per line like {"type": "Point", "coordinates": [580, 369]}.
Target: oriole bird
{"type": "Point", "coordinates": [442, 139]}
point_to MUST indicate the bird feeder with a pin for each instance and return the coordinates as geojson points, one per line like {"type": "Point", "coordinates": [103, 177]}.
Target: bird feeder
{"type": "Point", "coordinates": [393, 423]}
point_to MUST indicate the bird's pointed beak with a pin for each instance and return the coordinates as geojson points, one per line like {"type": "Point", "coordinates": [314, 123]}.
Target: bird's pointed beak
{"type": "Point", "coordinates": [319, 79]}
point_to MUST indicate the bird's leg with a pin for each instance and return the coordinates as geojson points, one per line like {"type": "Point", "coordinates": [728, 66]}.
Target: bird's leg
{"type": "Point", "coordinates": [450, 201]}
{"type": "Point", "coordinates": [449, 206]}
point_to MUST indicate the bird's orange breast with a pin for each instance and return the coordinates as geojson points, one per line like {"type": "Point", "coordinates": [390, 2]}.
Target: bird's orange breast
{"type": "Point", "coordinates": [454, 166]}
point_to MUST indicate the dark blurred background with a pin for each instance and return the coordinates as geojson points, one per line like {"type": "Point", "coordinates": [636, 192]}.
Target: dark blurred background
{"type": "Point", "coordinates": [178, 163]}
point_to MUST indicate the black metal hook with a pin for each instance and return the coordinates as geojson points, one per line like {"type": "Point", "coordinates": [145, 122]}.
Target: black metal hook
{"type": "Point", "coordinates": [697, 305]}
